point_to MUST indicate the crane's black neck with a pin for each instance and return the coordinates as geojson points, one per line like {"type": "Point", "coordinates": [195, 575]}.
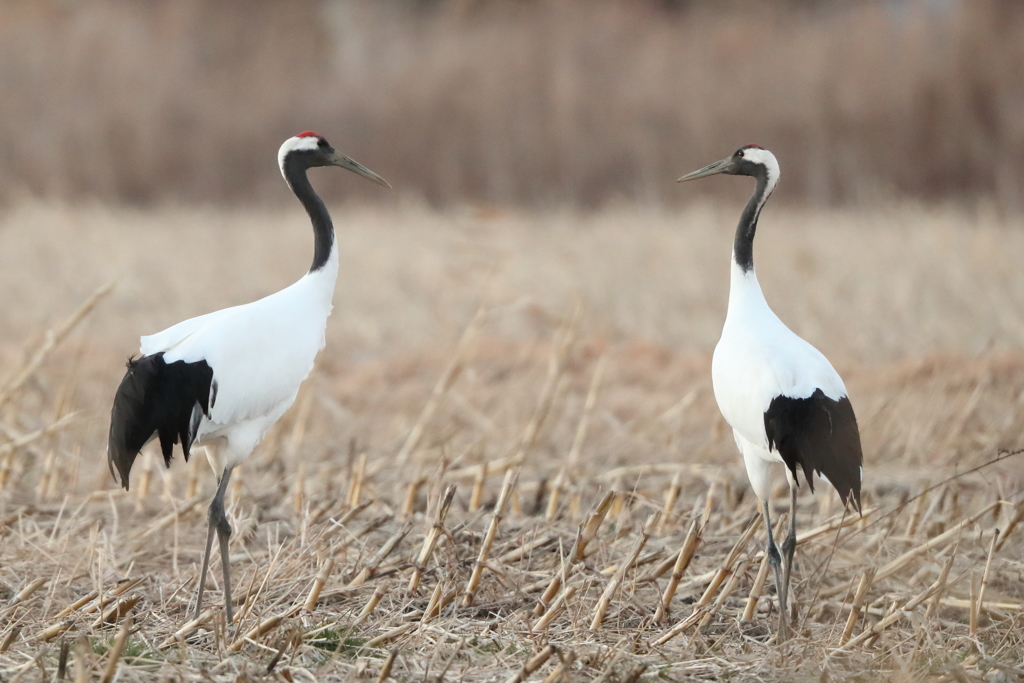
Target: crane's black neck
{"type": "Point", "coordinates": [323, 229]}
{"type": "Point", "coordinates": [743, 245]}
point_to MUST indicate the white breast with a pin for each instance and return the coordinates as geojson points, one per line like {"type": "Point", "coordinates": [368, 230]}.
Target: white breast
{"type": "Point", "coordinates": [759, 358]}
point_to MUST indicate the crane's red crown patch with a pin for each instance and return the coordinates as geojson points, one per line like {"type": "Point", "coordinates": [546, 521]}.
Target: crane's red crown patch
{"type": "Point", "coordinates": [307, 134]}
{"type": "Point", "coordinates": [750, 145]}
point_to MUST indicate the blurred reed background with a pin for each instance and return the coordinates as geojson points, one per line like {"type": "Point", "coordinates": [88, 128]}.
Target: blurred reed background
{"type": "Point", "coordinates": [527, 102]}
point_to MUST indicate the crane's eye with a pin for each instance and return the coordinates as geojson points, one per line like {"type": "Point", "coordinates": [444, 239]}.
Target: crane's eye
{"type": "Point", "coordinates": [739, 153]}
{"type": "Point", "coordinates": [322, 143]}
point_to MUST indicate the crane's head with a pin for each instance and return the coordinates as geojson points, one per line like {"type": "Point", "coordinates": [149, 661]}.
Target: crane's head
{"type": "Point", "coordinates": [751, 160]}
{"type": "Point", "coordinates": [309, 149]}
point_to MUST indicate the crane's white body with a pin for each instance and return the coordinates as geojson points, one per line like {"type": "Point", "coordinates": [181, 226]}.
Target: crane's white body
{"type": "Point", "coordinates": [757, 359]}
{"type": "Point", "coordinates": [221, 380]}
{"type": "Point", "coordinates": [260, 354]}
{"type": "Point", "coordinates": [783, 399]}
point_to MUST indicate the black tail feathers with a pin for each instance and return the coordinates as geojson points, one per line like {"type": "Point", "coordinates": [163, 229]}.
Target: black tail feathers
{"type": "Point", "coordinates": [820, 435]}
{"type": "Point", "coordinates": [156, 398]}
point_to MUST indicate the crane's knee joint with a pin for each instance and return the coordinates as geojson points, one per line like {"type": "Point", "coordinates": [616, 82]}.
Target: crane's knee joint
{"type": "Point", "coordinates": [789, 546]}
{"type": "Point", "coordinates": [217, 515]}
{"type": "Point", "coordinates": [773, 556]}
{"type": "Point", "coordinates": [223, 527]}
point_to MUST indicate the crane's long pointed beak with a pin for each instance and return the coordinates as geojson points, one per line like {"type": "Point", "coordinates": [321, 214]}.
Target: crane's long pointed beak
{"type": "Point", "coordinates": [720, 166]}
{"type": "Point", "coordinates": [343, 161]}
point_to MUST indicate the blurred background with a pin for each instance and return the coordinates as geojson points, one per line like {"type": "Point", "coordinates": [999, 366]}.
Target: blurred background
{"type": "Point", "coordinates": [513, 102]}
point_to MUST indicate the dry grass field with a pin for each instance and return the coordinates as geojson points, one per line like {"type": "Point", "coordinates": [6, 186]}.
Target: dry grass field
{"type": "Point", "coordinates": [572, 417]}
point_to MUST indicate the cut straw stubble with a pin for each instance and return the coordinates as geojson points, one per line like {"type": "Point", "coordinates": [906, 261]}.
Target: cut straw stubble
{"type": "Point", "coordinates": [724, 571]}
{"type": "Point", "coordinates": [430, 541]}
{"type": "Point", "coordinates": [566, 472]}
{"type": "Point", "coordinates": [896, 612]}
{"type": "Point", "coordinates": [858, 601]}
{"type": "Point", "coordinates": [620, 573]}
{"type": "Point", "coordinates": [511, 476]}
{"type": "Point", "coordinates": [584, 535]}
{"type": "Point", "coordinates": [374, 564]}
{"type": "Point", "coordinates": [686, 552]}
{"type": "Point", "coordinates": [532, 664]}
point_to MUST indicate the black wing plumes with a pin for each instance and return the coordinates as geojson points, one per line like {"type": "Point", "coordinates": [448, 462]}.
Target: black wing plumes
{"type": "Point", "coordinates": [156, 397]}
{"type": "Point", "coordinates": [821, 436]}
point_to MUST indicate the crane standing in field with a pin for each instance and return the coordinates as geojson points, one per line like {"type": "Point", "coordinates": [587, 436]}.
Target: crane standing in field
{"type": "Point", "coordinates": [781, 396]}
{"type": "Point", "coordinates": [222, 379]}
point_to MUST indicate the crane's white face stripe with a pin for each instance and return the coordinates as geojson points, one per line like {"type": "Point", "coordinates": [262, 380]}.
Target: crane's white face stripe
{"type": "Point", "coordinates": [763, 156]}
{"type": "Point", "coordinates": [307, 143]}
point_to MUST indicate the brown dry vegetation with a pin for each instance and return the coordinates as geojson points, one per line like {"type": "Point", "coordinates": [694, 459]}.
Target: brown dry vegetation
{"type": "Point", "coordinates": [919, 310]}
{"type": "Point", "coordinates": [538, 102]}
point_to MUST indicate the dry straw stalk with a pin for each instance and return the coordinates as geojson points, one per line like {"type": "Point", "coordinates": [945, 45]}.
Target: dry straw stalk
{"type": "Point", "coordinates": [511, 476]}
{"type": "Point", "coordinates": [532, 664]}
{"type": "Point", "coordinates": [620, 573]}
{"type": "Point", "coordinates": [683, 559]}
{"type": "Point", "coordinates": [584, 535]}
{"type": "Point", "coordinates": [436, 530]}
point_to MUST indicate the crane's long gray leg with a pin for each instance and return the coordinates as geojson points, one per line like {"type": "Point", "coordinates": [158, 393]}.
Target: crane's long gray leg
{"type": "Point", "coordinates": [775, 561]}
{"type": "Point", "coordinates": [206, 566]}
{"type": "Point", "coordinates": [219, 523]}
{"type": "Point", "coordinates": [789, 545]}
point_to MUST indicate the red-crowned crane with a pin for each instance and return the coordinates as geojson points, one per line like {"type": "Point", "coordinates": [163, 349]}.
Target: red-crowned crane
{"type": "Point", "coordinates": [781, 396]}
{"type": "Point", "coordinates": [222, 379]}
